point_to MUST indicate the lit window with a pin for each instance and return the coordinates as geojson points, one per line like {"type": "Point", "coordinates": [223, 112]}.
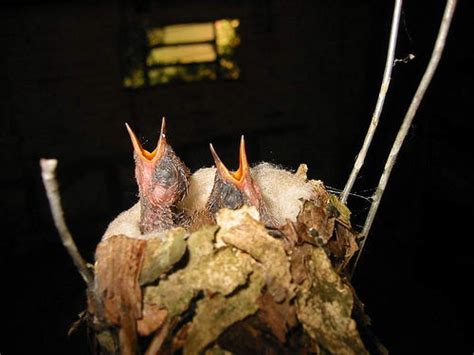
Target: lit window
{"type": "Point", "coordinates": [187, 52]}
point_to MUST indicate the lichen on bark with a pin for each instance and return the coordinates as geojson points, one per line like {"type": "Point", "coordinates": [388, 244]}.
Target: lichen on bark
{"type": "Point", "coordinates": [282, 287]}
{"type": "Point", "coordinates": [324, 307]}
{"type": "Point", "coordinates": [215, 314]}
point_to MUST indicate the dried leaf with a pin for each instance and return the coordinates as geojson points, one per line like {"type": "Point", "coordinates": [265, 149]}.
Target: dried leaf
{"type": "Point", "coordinates": [153, 318]}
{"type": "Point", "coordinates": [162, 254]}
{"type": "Point", "coordinates": [118, 263]}
{"type": "Point", "coordinates": [299, 258]}
{"type": "Point", "coordinates": [171, 293]}
{"type": "Point", "coordinates": [302, 171]}
{"type": "Point", "coordinates": [318, 220]}
{"type": "Point", "coordinates": [216, 314]}
{"type": "Point", "coordinates": [240, 229]}
{"type": "Point", "coordinates": [320, 195]}
{"type": "Point", "coordinates": [201, 243]}
{"type": "Point", "coordinates": [228, 219]}
{"type": "Point", "coordinates": [278, 317]}
{"type": "Point", "coordinates": [324, 306]}
{"type": "Point", "coordinates": [343, 247]}
{"type": "Point", "coordinates": [344, 214]}
{"type": "Point", "coordinates": [220, 271]}
{"type": "Point", "coordinates": [296, 234]}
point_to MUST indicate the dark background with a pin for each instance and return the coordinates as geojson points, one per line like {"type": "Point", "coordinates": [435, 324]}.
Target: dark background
{"type": "Point", "coordinates": [311, 72]}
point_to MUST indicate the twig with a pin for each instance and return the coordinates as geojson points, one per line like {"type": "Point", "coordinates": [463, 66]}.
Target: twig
{"type": "Point", "coordinates": [380, 101]}
{"type": "Point", "coordinates": [407, 120]}
{"type": "Point", "coordinates": [158, 339]}
{"type": "Point", "coordinates": [48, 173]}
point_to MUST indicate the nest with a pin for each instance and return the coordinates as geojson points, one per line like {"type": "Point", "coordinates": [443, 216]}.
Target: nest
{"type": "Point", "coordinates": [231, 287]}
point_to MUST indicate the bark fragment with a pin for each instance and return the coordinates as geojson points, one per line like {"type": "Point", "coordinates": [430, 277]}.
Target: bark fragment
{"type": "Point", "coordinates": [234, 285]}
{"type": "Point", "coordinates": [216, 314]}
{"type": "Point", "coordinates": [324, 306]}
{"type": "Point", "coordinates": [161, 255]}
{"type": "Point", "coordinates": [118, 263]}
{"type": "Point", "coordinates": [249, 235]}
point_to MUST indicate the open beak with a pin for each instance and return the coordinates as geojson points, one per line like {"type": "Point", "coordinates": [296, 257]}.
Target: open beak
{"type": "Point", "coordinates": [244, 189]}
{"type": "Point", "coordinates": [144, 154]}
{"type": "Point", "coordinates": [239, 177]}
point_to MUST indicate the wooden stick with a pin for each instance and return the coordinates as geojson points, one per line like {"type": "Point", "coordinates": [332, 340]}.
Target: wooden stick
{"type": "Point", "coordinates": [407, 120]}
{"type": "Point", "coordinates": [48, 173]}
{"type": "Point", "coordinates": [380, 101]}
{"type": "Point", "coordinates": [158, 339]}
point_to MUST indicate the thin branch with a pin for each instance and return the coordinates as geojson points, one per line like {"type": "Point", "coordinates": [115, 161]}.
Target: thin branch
{"type": "Point", "coordinates": [407, 120]}
{"type": "Point", "coordinates": [380, 101]}
{"type": "Point", "coordinates": [48, 173]}
{"type": "Point", "coordinates": [159, 338]}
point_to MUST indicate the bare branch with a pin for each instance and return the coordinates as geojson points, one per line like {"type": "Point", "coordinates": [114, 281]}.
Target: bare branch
{"type": "Point", "coordinates": [48, 173]}
{"type": "Point", "coordinates": [407, 120]}
{"type": "Point", "coordinates": [380, 101]}
{"type": "Point", "coordinates": [159, 338]}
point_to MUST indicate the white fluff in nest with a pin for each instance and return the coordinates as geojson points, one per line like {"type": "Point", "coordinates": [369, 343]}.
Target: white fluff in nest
{"type": "Point", "coordinates": [200, 187]}
{"type": "Point", "coordinates": [282, 191]}
{"type": "Point", "coordinates": [127, 223]}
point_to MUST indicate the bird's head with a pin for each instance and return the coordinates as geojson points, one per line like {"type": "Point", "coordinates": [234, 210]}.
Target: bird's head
{"type": "Point", "coordinates": [233, 189]}
{"type": "Point", "coordinates": [162, 180]}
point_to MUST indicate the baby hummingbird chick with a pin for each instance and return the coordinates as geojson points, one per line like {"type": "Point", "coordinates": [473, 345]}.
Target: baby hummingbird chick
{"type": "Point", "coordinates": [233, 189]}
{"type": "Point", "coordinates": [162, 180]}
